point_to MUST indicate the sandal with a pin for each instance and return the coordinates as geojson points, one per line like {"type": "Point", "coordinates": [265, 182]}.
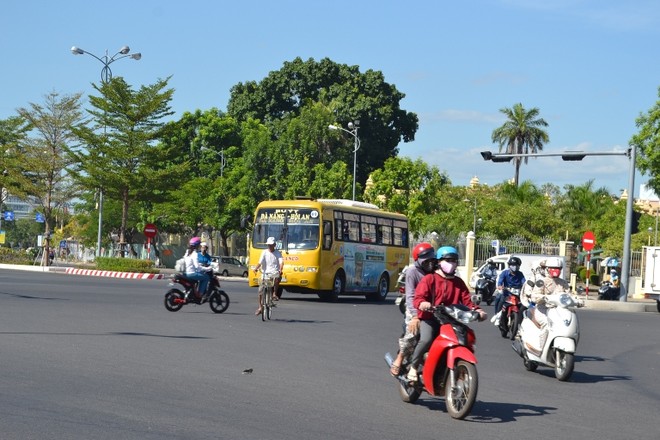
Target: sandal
{"type": "Point", "coordinates": [395, 370]}
{"type": "Point", "coordinates": [258, 312]}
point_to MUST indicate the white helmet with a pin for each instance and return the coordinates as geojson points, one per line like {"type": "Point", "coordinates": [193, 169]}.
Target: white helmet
{"type": "Point", "coordinates": [554, 262]}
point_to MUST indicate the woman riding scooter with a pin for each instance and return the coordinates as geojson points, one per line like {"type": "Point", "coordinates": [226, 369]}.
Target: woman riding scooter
{"type": "Point", "coordinates": [440, 287]}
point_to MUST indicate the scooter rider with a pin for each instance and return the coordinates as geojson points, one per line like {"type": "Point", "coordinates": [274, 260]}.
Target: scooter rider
{"type": "Point", "coordinates": [440, 287]}
{"type": "Point", "coordinates": [424, 263]}
{"type": "Point", "coordinates": [193, 269]}
{"type": "Point", "coordinates": [510, 278]}
{"type": "Point", "coordinates": [551, 283]}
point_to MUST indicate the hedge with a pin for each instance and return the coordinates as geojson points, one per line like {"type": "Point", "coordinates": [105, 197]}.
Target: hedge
{"type": "Point", "coordinates": [125, 265]}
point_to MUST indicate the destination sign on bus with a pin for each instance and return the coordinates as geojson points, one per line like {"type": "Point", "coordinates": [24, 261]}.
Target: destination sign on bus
{"type": "Point", "coordinates": [299, 216]}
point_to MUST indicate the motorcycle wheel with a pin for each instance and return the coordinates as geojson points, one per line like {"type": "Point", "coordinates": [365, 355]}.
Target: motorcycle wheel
{"type": "Point", "coordinates": [169, 300]}
{"type": "Point", "coordinates": [489, 300]}
{"type": "Point", "coordinates": [219, 301]}
{"type": "Point", "coordinates": [402, 306]}
{"type": "Point", "coordinates": [515, 322]}
{"type": "Point", "coordinates": [409, 394]}
{"type": "Point", "coordinates": [460, 398]}
{"type": "Point", "coordinates": [564, 363]}
{"type": "Point", "coordinates": [504, 325]}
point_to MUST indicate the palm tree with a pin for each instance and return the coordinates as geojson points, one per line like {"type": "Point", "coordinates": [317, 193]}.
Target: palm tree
{"type": "Point", "coordinates": [521, 134]}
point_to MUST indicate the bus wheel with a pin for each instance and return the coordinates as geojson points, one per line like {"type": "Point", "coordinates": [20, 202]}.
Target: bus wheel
{"type": "Point", "coordinates": [338, 285]}
{"type": "Point", "coordinates": [383, 289]}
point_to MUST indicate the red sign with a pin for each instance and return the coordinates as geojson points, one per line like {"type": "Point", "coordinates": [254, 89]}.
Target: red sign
{"type": "Point", "coordinates": [588, 241]}
{"type": "Point", "coordinates": [149, 230]}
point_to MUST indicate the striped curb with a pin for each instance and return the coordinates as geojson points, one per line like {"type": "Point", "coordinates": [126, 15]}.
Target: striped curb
{"type": "Point", "coordinates": [109, 273]}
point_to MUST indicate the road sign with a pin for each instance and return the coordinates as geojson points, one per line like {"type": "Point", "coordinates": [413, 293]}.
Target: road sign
{"type": "Point", "coordinates": [8, 215]}
{"type": "Point", "coordinates": [149, 230]}
{"type": "Point", "coordinates": [588, 241]}
{"type": "Point", "coordinates": [39, 218]}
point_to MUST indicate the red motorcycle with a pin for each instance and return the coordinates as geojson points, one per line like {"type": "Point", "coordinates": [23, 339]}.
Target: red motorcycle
{"type": "Point", "coordinates": [175, 299]}
{"type": "Point", "coordinates": [511, 314]}
{"type": "Point", "coordinates": [450, 366]}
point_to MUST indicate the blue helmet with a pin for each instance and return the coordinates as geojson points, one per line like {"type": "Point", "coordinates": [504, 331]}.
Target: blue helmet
{"type": "Point", "coordinates": [447, 252]}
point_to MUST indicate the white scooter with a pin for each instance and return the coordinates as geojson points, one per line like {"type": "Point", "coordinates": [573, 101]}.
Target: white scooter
{"type": "Point", "coordinates": [555, 343]}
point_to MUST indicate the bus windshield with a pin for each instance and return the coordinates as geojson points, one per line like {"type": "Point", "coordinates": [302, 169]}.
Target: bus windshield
{"type": "Point", "coordinates": [295, 228]}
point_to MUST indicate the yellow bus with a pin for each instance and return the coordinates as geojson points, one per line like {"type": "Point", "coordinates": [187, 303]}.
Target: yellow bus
{"type": "Point", "coordinates": [332, 247]}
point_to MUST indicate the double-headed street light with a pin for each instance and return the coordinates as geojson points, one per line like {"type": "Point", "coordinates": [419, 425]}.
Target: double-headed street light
{"type": "Point", "coordinates": [579, 155]}
{"type": "Point", "coordinates": [353, 130]}
{"type": "Point", "coordinates": [106, 76]}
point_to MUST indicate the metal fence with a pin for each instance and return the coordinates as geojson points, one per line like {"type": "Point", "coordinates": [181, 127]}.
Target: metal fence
{"type": "Point", "coordinates": [486, 248]}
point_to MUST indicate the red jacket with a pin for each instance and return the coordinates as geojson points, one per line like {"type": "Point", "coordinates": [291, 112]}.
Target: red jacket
{"type": "Point", "coordinates": [437, 289]}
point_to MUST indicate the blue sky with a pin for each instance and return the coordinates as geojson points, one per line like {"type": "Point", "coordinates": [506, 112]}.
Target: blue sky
{"type": "Point", "coordinates": [590, 66]}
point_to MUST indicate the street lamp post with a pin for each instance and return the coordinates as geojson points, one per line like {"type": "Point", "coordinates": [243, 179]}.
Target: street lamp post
{"type": "Point", "coordinates": [106, 76]}
{"type": "Point", "coordinates": [655, 237]}
{"type": "Point", "coordinates": [221, 153]}
{"type": "Point", "coordinates": [474, 214]}
{"type": "Point", "coordinates": [631, 152]}
{"type": "Point", "coordinates": [353, 131]}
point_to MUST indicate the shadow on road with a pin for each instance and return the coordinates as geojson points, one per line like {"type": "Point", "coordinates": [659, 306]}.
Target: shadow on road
{"type": "Point", "coordinates": [501, 412]}
{"type": "Point", "coordinates": [15, 295]}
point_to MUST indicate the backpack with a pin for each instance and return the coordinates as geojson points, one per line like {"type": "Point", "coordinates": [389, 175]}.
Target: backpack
{"type": "Point", "coordinates": [180, 265]}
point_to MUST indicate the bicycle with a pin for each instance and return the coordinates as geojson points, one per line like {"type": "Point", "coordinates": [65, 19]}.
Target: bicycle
{"type": "Point", "coordinates": [267, 305]}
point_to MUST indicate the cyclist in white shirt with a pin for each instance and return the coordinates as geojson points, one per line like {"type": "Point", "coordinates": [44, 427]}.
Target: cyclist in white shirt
{"type": "Point", "coordinates": [270, 263]}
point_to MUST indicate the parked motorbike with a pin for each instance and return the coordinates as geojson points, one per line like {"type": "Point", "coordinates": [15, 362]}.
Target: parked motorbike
{"type": "Point", "coordinates": [400, 300]}
{"type": "Point", "coordinates": [449, 368]}
{"type": "Point", "coordinates": [510, 315]}
{"type": "Point", "coordinates": [609, 291]}
{"type": "Point", "coordinates": [485, 287]}
{"type": "Point", "coordinates": [554, 344]}
{"type": "Point", "coordinates": [175, 299]}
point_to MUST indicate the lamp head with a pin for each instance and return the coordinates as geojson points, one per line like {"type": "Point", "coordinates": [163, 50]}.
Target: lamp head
{"type": "Point", "coordinates": [124, 50]}
{"type": "Point", "coordinates": [136, 56]}
{"type": "Point", "coordinates": [333, 127]}
{"type": "Point", "coordinates": [77, 51]}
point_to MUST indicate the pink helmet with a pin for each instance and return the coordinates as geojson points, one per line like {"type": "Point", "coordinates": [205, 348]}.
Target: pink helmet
{"type": "Point", "coordinates": [195, 241]}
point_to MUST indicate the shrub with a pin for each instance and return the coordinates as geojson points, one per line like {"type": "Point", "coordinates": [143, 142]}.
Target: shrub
{"type": "Point", "coordinates": [21, 256]}
{"type": "Point", "coordinates": [582, 273]}
{"type": "Point", "coordinates": [594, 279]}
{"type": "Point", "coordinates": [125, 265]}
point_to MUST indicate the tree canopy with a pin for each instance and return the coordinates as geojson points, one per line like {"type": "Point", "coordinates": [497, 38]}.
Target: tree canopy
{"type": "Point", "coordinates": [345, 93]}
{"type": "Point", "coordinates": [647, 142]}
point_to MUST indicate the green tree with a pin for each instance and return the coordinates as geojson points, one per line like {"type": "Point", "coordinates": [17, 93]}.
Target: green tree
{"type": "Point", "coordinates": [12, 132]}
{"type": "Point", "coordinates": [349, 94]}
{"type": "Point", "coordinates": [409, 187]}
{"type": "Point", "coordinates": [521, 134]}
{"type": "Point", "coordinates": [44, 161]}
{"type": "Point", "coordinates": [121, 153]}
{"type": "Point", "coordinates": [582, 207]}
{"type": "Point", "coordinates": [647, 143]}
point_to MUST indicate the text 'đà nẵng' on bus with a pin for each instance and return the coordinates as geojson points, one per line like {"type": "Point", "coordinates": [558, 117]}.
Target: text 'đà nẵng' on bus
{"type": "Point", "coordinates": [332, 247]}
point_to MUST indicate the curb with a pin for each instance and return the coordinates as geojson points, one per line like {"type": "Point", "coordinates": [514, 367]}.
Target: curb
{"type": "Point", "coordinates": [109, 273]}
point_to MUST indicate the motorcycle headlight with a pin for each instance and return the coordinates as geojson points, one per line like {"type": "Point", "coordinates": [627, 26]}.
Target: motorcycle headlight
{"type": "Point", "coordinates": [566, 300]}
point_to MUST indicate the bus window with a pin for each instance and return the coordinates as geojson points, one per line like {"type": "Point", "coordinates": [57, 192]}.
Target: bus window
{"type": "Point", "coordinates": [384, 234]}
{"type": "Point", "coordinates": [368, 233]}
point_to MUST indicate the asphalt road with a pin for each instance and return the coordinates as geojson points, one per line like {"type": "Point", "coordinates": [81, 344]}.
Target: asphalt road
{"type": "Point", "coordinates": [101, 358]}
